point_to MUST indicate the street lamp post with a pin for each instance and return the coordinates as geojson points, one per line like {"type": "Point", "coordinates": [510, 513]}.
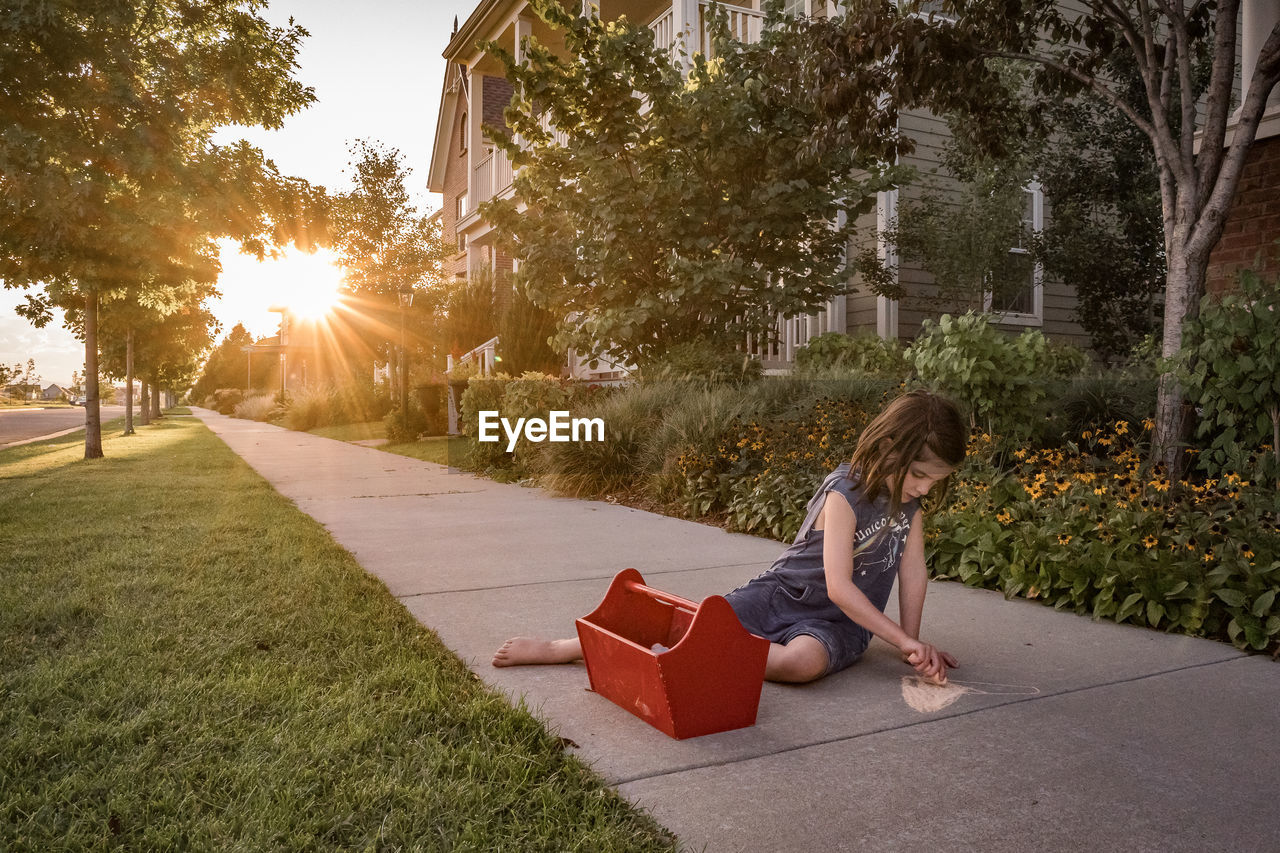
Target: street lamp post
{"type": "Point", "coordinates": [406, 301]}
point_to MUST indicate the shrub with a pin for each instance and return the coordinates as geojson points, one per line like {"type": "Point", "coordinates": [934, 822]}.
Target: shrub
{"type": "Point", "coordinates": [532, 395]}
{"type": "Point", "coordinates": [260, 407]}
{"type": "Point", "coordinates": [702, 361]}
{"type": "Point", "coordinates": [309, 408]}
{"type": "Point", "coordinates": [997, 378]}
{"type": "Point", "coordinates": [357, 403]}
{"type": "Point", "coordinates": [630, 416]}
{"type": "Point", "coordinates": [1089, 529]}
{"type": "Point", "coordinates": [1093, 404]}
{"type": "Point", "coordinates": [1064, 361]}
{"type": "Point", "coordinates": [1230, 368]}
{"type": "Point", "coordinates": [405, 426]}
{"type": "Point", "coordinates": [858, 353]}
{"type": "Point", "coordinates": [433, 400]}
{"type": "Point", "coordinates": [225, 400]}
{"type": "Point", "coordinates": [483, 393]}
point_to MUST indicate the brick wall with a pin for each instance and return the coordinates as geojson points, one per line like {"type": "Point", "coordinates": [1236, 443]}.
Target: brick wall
{"type": "Point", "coordinates": [455, 183]}
{"type": "Point", "coordinates": [1253, 223]}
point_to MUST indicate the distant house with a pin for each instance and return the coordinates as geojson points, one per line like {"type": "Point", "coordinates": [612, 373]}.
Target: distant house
{"type": "Point", "coordinates": [22, 391]}
{"type": "Point", "coordinates": [54, 392]}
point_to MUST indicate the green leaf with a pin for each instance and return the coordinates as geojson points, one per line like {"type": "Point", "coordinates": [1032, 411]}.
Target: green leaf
{"type": "Point", "coordinates": [1155, 612]}
{"type": "Point", "coordinates": [1233, 597]}
{"type": "Point", "coordinates": [1262, 604]}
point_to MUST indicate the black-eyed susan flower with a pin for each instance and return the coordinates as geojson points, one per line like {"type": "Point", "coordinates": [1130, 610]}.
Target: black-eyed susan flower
{"type": "Point", "coordinates": [1150, 541]}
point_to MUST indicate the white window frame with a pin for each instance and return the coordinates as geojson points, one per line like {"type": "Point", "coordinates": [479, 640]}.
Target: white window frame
{"type": "Point", "coordinates": [1036, 315]}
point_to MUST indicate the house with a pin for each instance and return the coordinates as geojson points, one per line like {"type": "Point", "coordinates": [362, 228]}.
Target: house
{"type": "Point", "coordinates": [22, 391]}
{"type": "Point", "coordinates": [467, 169]}
{"type": "Point", "coordinates": [54, 392]}
{"type": "Point", "coordinates": [1253, 224]}
{"type": "Point", "coordinates": [306, 350]}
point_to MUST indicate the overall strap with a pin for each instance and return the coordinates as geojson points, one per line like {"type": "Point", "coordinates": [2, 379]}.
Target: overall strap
{"type": "Point", "coordinates": [814, 508]}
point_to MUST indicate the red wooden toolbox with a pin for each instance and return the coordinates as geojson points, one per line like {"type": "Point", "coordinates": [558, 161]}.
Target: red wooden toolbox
{"type": "Point", "coordinates": [707, 680]}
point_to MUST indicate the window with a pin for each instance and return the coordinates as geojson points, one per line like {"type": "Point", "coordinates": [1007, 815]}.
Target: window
{"type": "Point", "coordinates": [463, 209]}
{"type": "Point", "coordinates": [797, 8]}
{"type": "Point", "coordinates": [462, 134]}
{"type": "Point", "coordinates": [1019, 295]}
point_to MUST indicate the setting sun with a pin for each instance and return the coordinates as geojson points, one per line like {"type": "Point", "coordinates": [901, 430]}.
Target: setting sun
{"type": "Point", "coordinates": [309, 284]}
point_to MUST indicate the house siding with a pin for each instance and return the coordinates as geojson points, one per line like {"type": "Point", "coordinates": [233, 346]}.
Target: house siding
{"type": "Point", "coordinates": [930, 134]}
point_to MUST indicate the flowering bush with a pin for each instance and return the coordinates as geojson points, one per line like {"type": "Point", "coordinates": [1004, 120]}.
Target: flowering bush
{"type": "Point", "coordinates": [761, 474]}
{"type": "Point", "coordinates": [1088, 527]}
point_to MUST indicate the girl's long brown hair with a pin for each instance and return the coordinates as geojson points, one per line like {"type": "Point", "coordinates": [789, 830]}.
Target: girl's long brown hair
{"type": "Point", "coordinates": [915, 426]}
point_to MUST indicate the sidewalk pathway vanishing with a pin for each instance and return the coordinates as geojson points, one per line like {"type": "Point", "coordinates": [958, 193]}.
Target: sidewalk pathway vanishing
{"type": "Point", "coordinates": [1095, 736]}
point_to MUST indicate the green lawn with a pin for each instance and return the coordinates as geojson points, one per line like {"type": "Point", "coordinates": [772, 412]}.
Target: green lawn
{"type": "Point", "coordinates": [352, 432]}
{"type": "Point", "coordinates": [188, 662]}
{"type": "Point", "coordinates": [434, 449]}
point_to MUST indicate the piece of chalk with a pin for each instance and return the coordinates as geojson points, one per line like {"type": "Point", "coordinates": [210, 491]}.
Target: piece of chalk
{"type": "Point", "coordinates": [658, 648]}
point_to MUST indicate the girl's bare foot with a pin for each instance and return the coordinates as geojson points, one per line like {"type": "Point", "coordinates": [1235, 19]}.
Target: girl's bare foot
{"type": "Point", "coordinates": [519, 651]}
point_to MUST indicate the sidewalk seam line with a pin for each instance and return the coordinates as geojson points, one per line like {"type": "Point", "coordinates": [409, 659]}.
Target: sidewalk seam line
{"type": "Point", "coordinates": [620, 782]}
{"type": "Point", "coordinates": [552, 581]}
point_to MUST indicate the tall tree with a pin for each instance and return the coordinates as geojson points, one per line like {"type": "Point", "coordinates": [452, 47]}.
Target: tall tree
{"type": "Point", "coordinates": [651, 211]}
{"type": "Point", "coordinates": [1070, 46]}
{"type": "Point", "coordinates": [109, 177]}
{"type": "Point", "coordinates": [228, 366]}
{"type": "Point", "coordinates": [389, 251]}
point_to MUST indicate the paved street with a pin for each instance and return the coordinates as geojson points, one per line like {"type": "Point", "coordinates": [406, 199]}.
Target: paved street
{"type": "Point", "coordinates": [24, 424]}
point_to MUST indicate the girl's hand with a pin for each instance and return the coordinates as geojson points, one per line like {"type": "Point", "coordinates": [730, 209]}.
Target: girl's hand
{"type": "Point", "coordinates": [928, 660]}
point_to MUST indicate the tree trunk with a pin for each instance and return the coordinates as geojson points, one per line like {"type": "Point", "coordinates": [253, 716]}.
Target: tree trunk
{"type": "Point", "coordinates": [144, 406]}
{"type": "Point", "coordinates": [155, 401]}
{"type": "Point", "coordinates": [92, 413]}
{"type": "Point", "coordinates": [1184, 284]}
{"type": "Point", "coordinates": [128, 381]}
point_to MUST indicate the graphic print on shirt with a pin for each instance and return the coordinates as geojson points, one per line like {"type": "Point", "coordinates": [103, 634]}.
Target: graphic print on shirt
{"type": "Point", "coordinates": [872, 538]}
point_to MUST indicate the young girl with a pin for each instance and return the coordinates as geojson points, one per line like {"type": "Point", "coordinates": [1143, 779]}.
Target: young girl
{"type": "Point", "coordinates": [823, 599]}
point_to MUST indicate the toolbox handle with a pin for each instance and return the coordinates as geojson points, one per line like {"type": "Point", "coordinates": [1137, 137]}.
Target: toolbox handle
{"type": "Point", "coordinates": [675, 600]}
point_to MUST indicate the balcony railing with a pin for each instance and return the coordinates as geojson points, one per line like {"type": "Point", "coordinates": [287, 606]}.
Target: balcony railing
{"type": "Point", "coordinates": [492, 175]}
{"type": "Point", "coordinates": [744, 25]}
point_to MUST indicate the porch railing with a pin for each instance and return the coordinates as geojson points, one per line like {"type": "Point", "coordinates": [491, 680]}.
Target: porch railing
{"type": "Point", "coordinates": [744, 25]}
{"type": "Point", "coordinates": [789, 335]}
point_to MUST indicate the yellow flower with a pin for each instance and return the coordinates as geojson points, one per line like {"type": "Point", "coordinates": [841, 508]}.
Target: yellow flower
{"type": "Point", "coordinates": [1064, 538]}
{"type": "Point", "coordinates": [1122, 428]}
{"type": "Point", "coordinates": [1004, 517]}
{"type": "Point", "coordinates": [1150, 541]}
{"type": "Point", "coordinates": [1100, 490]}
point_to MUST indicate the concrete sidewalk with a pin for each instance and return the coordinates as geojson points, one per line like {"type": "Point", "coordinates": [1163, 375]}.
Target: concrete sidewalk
{"type": "Point", "coordinates": [1087, 736]}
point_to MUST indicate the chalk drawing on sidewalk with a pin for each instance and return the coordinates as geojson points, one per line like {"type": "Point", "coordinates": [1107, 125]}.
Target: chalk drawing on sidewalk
{"type": "Point", "coordinates": [927, 697]}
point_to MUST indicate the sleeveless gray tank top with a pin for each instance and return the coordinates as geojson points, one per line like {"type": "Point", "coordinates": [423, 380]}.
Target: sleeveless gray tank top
{"type": "Point", "coordinates": [877, 549]}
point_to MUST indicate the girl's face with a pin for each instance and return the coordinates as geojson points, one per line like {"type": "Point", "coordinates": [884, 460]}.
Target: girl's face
{"type": "Point", "coordinates": [923, 475]}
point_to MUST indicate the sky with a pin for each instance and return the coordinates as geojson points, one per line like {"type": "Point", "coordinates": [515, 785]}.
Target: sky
{"type": "Point", "coordinates": [377, 71]}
